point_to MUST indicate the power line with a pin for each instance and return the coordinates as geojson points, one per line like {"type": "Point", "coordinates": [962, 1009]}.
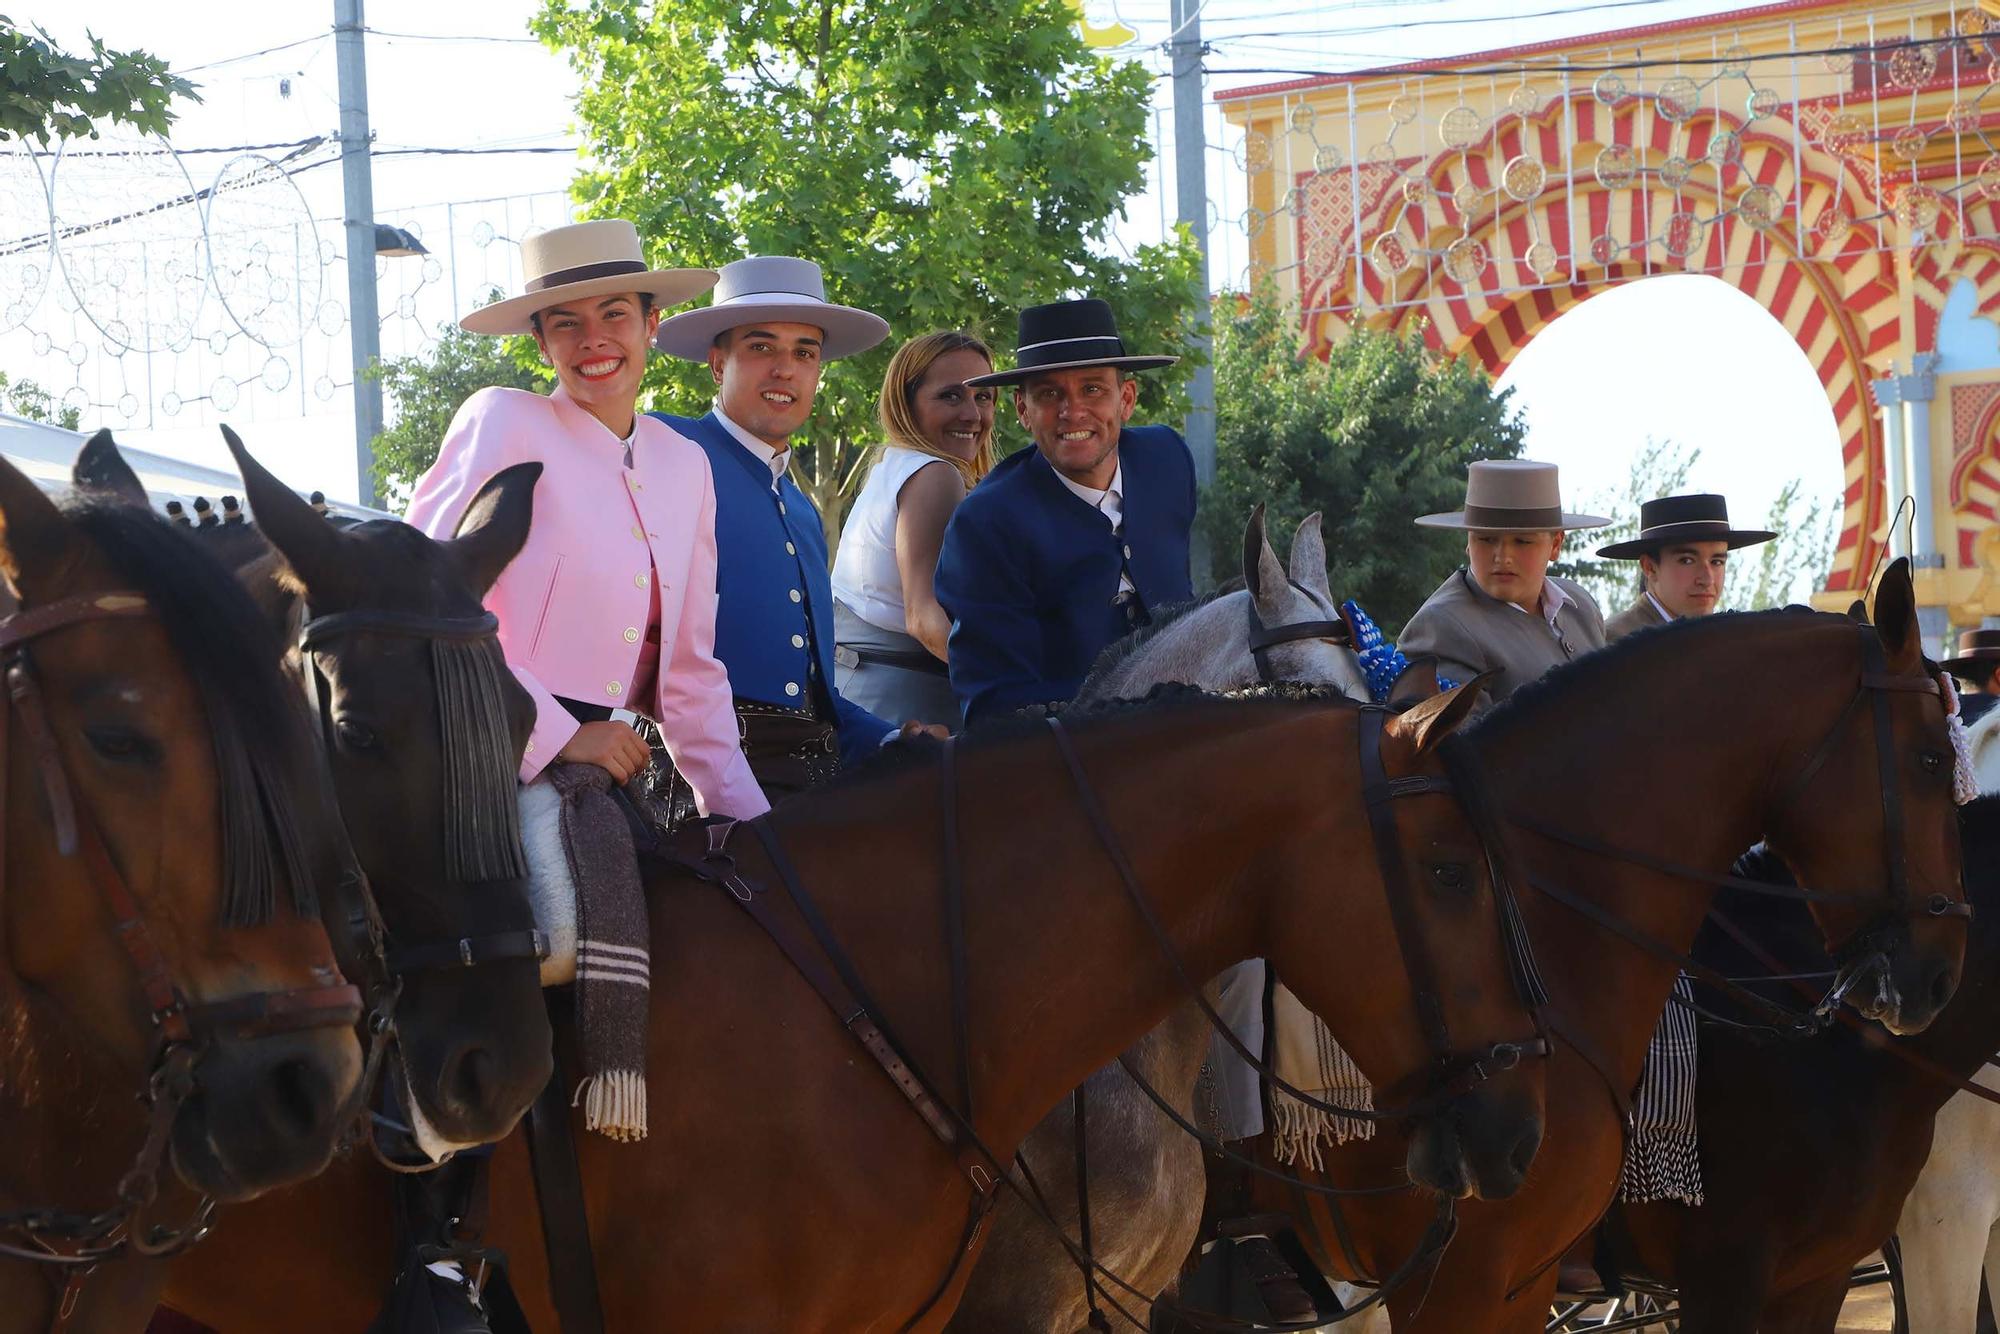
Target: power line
{"type": "Point", "coordinates": [1436, 23]}
{"type": "Point", "coordinates": [252, 55]}
{"type": "Point", "coordinates": [451, 37]}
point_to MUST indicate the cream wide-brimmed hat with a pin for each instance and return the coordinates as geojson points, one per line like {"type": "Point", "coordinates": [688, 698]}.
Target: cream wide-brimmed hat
{"type": "Point", "coordinates": [774, 289]}
{"type": "Point", "coordinates": [1512, 496]}
{"type": "Point", "coordinates": [581, 261]}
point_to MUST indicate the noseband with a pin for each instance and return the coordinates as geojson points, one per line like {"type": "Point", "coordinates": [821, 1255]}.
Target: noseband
{"type": "Point", "coordinates": [185, 1028]}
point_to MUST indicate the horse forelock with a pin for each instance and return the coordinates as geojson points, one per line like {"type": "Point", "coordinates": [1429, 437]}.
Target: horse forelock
{"type": "Point", "coordinates": [255, 726]}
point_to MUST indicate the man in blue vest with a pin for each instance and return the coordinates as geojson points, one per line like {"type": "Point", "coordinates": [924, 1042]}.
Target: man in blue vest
{"type": "Point", "coordinates": [1068, 546]}
{"type": "Point", "coordinates": [765, 337]}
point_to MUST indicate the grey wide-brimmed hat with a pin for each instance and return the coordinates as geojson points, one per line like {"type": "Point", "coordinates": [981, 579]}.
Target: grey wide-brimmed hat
{"type": "Point", "coordinates": [777, 289]}
{"type": "Point", "coordinates": [1671, 520]}
{"type": "Point", "coordinates": [1512, 496]}
{"type": "Point", "coordinates": [1978, 654]}
{"type": "Point", "coordinates": [575, 263]}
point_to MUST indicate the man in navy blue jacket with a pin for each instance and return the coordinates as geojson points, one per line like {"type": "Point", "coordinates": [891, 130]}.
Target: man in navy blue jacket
{"type": "Point", "coordinates": [765, 337]}
{"type": "Point", "coordinates": [1072, 544]}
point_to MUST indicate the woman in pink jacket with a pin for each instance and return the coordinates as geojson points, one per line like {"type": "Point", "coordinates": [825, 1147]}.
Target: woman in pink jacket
{"type": "Point", "coordinates": [611, 604]}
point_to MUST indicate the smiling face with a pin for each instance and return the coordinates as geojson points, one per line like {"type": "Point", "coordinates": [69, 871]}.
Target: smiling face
{"type": "Point", "coordinates": [1512, 566]}
{"type": "Point", "coordinates": [766, 376]}
{"type": "Point", "coordinates": [598, 348]}
{"type": "Point", "coordinates": [1075, 416]}
{"type": "Point", "coordinates": [1687, 578]}
{"type": "Point", "coordinates": [951, 417]}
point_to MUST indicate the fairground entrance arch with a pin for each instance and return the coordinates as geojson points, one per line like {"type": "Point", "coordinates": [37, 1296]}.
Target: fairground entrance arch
{"type": "Point", "coordinates": [1837, 161]}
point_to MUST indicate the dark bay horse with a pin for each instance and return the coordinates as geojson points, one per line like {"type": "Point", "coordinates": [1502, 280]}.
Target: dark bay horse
{"type": "Point", "coordinates": [167, 833]}
{"type": "Point", "coordinates": [1809, 1147]}
{"type": "Point", "coordinates": [786, 1183]}
{"type": "Point", "coordinates": [1771, 717]}
{"type": "Point", "coordinates": [423, 728]}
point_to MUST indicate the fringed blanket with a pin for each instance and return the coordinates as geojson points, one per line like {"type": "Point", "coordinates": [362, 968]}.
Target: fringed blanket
{"type": "Point", "coordinates": [1664, 1161]}
{"type": "Point", "coordinates": [584, 875]}
{"type": "Point", "coordinates": [1307, 1057]}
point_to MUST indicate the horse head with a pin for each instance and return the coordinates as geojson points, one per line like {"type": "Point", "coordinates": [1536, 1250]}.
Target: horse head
{"type": "Point", "coordinates": [425, 726]}
{"type": "Point", "coordinates": [1872, 812]}
{"type": "Point", "coordinates": [160, 778]}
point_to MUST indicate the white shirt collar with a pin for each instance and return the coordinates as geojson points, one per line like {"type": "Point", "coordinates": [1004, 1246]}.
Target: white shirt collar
{"type": "Point", "coordinates": [1111, 500]}
{"type": "Point", "coordinates": [1665, 615]}
{"type": "Point", "coordinates": [1553, 601]}
{"type": "Point", "coordinates": [777, 460]}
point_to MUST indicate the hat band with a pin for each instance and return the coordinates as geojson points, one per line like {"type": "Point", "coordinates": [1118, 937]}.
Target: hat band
{"type": "Point", "coordinates": [1501, 516]}
{"type": "Point", "coordinates": [1688, 528]}
{"type": "Point", "coordinates": [584, 273]}
{"type": "Point", "coordinates": [1110, 344]}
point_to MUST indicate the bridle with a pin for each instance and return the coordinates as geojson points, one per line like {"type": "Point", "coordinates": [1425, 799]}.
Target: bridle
{"type": "Point", "coordinates": [1264, 638]}
{"type": "Point", "coordinates": [67, 1239]}
{"type": "Point", "coordinates": [390, 962]}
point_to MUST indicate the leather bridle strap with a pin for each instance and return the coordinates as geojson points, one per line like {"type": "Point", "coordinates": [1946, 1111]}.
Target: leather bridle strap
{"type": "Point", "coordinates": [1264, 638]}
{"type": "Point", "coordinates": [468, 951]}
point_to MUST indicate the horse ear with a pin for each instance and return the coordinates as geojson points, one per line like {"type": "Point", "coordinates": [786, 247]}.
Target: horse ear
{"type": "Point", "coordinates": [309, 544]}
{"type": "Point", "coordinates": [35, 540]}
{"type": "Point", "coordinates": [1415, 683]}
{"type": "Point", "coordinates": [1896, 618]}
{"type": "Point", "coordinates": [1308, 560]}
{"type": "Point", "coordinates": [100, 467]}
{"type": "Point", "coordinates": [1427, 723]}
{"type": "Point", "coordinates": [1857, 611]}
{"type": "Point", "coordinates": [495, 524]}
{"type": "Point", "coordinates": [1262, 574]}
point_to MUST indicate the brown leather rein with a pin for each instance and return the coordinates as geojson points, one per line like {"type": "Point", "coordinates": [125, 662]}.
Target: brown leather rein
{"type": "Point", "coordinates": [78, 1241]}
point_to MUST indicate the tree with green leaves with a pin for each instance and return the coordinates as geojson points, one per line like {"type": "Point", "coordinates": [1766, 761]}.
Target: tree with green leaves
{"type": "Point", "coordinates": [426, 392]}
{"type": "Point", "coordinates": [1660, 468]}
{"type": "Point", "coordinates": [27, 398]}
{"type": "Point", "coordinates": [1375, 435]}
{"type": "Point", "coordinates": [945, 165]}
{"type": "Point", "coordinates": [48, 94]}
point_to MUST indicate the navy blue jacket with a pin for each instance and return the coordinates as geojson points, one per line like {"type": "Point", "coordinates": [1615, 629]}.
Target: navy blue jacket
{"type": "Point", "coordinates": [771, 580]}
{"type": "Point", "coordinates": [1029, 570]}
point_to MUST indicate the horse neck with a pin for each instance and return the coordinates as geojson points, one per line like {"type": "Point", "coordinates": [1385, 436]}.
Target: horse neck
{"type": "Point", "coordinates": [1744, 710]}
{"type": "Point", "coordinates": [1061, 971]}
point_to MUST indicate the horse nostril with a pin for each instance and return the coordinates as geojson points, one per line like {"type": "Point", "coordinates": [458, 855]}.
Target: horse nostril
{"type": "Point", "coordinates": [1940, 992]}
{"type": "Point", "coordinates": [467, 1078]}
{"type": "Point", "coordinates": [298, 1093]}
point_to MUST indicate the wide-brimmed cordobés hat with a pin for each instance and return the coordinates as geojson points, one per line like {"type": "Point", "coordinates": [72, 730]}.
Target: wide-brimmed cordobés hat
{"type": "Point", "coordinates": [578, 262]}
{"type": "Point", "coordinates": [1069, 335]}
{"type": "Point", "coordinates": [1512, 496]}
{"type": "Point", "coordinates": [1672, 520]}
{"type": "Point", "coordinates": [1978, 654]}
{"type": "Point", "coordinates": [777, 290]}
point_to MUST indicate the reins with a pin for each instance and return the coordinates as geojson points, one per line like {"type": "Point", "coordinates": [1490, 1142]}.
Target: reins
{"type": "Point", "coordinates": [78, 1241]}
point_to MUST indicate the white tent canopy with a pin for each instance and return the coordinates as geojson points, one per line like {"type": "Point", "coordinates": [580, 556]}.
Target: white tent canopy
{"type": "Point", "coordinates": [46, 453]}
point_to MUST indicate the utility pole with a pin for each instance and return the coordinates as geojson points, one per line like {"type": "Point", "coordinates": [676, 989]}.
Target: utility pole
{"type": "Point", "coordinates": [364, 321]}
{"type": "Point", "coordinates": [1191, 188]}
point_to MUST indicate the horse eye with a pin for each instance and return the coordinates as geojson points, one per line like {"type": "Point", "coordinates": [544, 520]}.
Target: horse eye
{"type": "Point", "coordinates": [122, 745]}
{"type": "Point", "coordinates": [356, 736]}
{"type": "Point", "coordinates": [1448, 875]}
{"type": "Point", "coordinates": [1932, 761]}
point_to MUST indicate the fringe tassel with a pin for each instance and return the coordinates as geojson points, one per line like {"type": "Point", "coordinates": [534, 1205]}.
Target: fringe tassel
{"type": "Point", "coordinates": [1298, 1131]}
{"type": "Point", "coordinates": [614, 1104]}
{"type": "Point", "coordinates": [483, 837]}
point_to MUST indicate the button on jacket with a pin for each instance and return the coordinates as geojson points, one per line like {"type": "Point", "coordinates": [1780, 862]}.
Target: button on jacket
{"type": "Point", "coordinates": [574, 603]}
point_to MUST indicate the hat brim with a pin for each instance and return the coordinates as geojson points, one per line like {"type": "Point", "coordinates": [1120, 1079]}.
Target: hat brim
{"type": "Point", "coordinates": [667, 287]}
{"type": "Point", "coordinates": [1965, 666]}
{"type": "Point", "coordinates": [1020, 374]}
{"type": "Point", "coordinates": [1646, 546]}
{"type": "Point", "coordinates": [1456, 519]}
{"type": "Point", "coordinates": [844, 330]}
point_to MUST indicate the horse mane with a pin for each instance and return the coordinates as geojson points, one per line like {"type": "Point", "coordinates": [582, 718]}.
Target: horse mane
{"type": "Point", "coordinates": [1528, 705]}
{"type": "Point", "coordinates": [254, 724]}
{"type": "Point", "coordinates": [1118, 650]}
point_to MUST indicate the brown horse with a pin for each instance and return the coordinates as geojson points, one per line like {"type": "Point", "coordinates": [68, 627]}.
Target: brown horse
{"type": "Point", "coordinates": [1774, 717]}
{"type": "Point", "coordinates": [786, 1183]}
{"type": "Point", "coordinates": [167, 831]}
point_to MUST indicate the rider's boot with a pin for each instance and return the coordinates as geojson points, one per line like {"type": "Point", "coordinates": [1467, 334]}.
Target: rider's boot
{"type": "Point", "coordinates": [439, 1272]}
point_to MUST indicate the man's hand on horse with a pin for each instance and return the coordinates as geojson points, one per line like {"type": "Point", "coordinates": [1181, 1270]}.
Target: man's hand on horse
{"type": "Point", "coordinates": [913, 729]}
{"type": "Point", "coordinates": [612, 746]}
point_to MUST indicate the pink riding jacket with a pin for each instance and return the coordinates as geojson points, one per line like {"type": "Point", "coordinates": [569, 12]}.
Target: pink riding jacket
{"type": "Point", "coordinates": [575, 605]}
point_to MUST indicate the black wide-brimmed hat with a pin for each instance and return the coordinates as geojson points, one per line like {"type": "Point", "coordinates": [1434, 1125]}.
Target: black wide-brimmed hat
{"type": "Point", "coordinates": [1978, 654]}
{"type": "Point", "coordinates": [1069, 335]}
{"type": "Point", "coordinates": [1675, 519]}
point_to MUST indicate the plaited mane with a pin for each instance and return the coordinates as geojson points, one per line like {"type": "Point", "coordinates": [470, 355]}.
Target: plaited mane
{"type": "Point", "coordinates": [254, 724]}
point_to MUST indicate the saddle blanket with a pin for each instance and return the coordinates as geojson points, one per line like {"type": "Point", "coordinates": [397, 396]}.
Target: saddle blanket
{"type": "Point", "coordinates": [1306, 1057]}
{"type": "Point", "coordinates": [1663, 1162]}
{"type": "Point", "coordinates": [551, 886]}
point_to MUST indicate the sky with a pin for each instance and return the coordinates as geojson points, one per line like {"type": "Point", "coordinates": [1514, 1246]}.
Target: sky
{"type": "Point", "coordinates": [1686, 359]}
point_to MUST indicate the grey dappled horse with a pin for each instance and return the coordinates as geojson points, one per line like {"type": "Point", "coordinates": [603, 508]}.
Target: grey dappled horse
{"type": "Point", "coordinates": [1146, 1176]}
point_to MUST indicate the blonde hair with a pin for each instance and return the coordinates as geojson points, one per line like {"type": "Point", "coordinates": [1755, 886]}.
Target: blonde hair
{"type": "Point", "coordinates": [898, 405]}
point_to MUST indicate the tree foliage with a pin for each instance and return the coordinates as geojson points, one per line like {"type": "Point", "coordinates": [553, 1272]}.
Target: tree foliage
{"type": "Point", "coordinates": [425, 391]}
{"type": "Point", "coordinates": [27, 398]}
{"type": "Point", "coordinates": [48, 94]}
{"type": "Point", "coordinates": [1785, 570]}
{"type": "Point", "coordinates": [1377, 434]}
{"type": "Point", "coordinates": [944, 163]}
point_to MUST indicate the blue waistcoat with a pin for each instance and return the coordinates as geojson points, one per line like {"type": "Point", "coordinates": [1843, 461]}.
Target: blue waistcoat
{"type": "Point", "coordinates": [774, 595]}
{"type": "Point", "coordinates": [1029, 570]}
